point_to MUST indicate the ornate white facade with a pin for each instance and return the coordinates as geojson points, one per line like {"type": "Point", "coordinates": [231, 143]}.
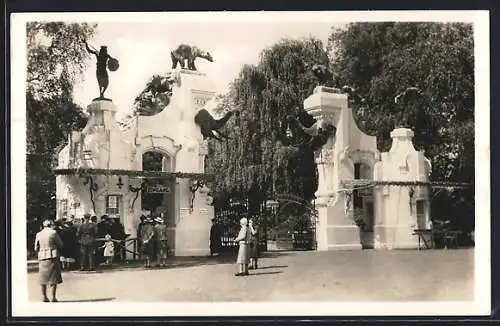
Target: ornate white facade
{"type": "Point", "coordinates": [103, 145]}
{"type": "Point", "coordinates": [389, 214]}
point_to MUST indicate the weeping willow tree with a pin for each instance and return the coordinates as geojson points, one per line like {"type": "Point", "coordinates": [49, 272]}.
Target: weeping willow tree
{"type": "Point", "coordinates": [259, 161]}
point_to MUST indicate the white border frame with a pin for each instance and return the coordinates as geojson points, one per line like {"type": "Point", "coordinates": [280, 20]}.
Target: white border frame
{"type": "Point", "coordinates": [480, 306]}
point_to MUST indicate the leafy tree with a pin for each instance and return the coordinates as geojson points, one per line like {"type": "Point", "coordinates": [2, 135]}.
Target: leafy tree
{"type": "Point", "coordinates": [380, 60]}
{"type": "Point", "coordinates": [56, 59]}
{"type": "Point", "coordinates": [254, 163]}
{"type": "Point", "coordinates": [155, 96]}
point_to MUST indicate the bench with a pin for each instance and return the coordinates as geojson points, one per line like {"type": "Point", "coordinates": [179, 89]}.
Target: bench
{"type": "Point", "coordinates": [425, 237]}
{"type": "Point", "coordinates": [451, 239]}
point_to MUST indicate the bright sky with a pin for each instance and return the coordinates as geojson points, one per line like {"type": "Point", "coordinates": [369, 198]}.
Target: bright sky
{"type": "Point", "coordinates": [143, 49]}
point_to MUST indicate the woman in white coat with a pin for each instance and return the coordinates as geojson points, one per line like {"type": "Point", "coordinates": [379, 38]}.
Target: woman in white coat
{"type": "Point", "coordinates": [243, 239]}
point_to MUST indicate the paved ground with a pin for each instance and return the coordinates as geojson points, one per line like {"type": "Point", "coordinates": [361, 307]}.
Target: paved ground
{"type": "Point", "coordinates": [289, 276]}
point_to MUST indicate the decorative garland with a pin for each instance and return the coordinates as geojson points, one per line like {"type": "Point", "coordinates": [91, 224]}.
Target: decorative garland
{"type": "Point", "coordinates": [92, 187]}
{"type": "Point", "coordinates": [201, 177]}
{"type": "Point", "coordinates": [193, 187]}
{"type": "Point", "coordinates": [436, 184]}
{"type": "Point", "coordinates": [137, 191]}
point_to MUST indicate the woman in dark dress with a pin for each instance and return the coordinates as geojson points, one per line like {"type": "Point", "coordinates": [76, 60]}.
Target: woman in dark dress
{"type": "Point", "coordinates": [148, 241]}
{"type": "Point", "coordinates": [161, 242]}
{"type": "Point", "coordinates": [67, 234]}
{"type": "Point", "coordinates": [215, 239]}
{"type": "Point", "coordinates": [254, 245]}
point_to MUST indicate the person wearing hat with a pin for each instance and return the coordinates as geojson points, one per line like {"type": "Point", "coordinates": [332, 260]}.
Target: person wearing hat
{"type": "Point", "coordinates": [148, 242]}
{"type": "Point", "coordinates": [67, 235]}
{"type": "Point", "coordinates": [215, 239]}
{"type": "Point", "coordinates": [142, 218]}
{"type": "Point", "coordinates": [254, 245]}
{"type": "Point", "coordinates": [48, 245]}
{"type": "Point", "coordinates": [117, 232]}
{"type": "Point", "coordinates": [161, 242]}
{"type": "Point", "coordinates": [87, 234]}
{"type": "Point", "coordinates": [243, 239]}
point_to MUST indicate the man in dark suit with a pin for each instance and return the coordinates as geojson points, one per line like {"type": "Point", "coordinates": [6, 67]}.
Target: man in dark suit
{"type": "Point", "coordinates": [87, 233]}
{"type": "Point", "coordinates": [117, 232]}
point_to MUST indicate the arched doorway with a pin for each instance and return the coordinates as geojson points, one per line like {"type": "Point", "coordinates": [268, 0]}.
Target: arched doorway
{"type": "Point", "coordinates": [363, 202]}
{"type": "Point", "coordinates": [158, 198]}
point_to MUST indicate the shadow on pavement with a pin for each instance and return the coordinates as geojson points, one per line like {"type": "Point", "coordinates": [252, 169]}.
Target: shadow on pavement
{"type": "Point", "coordinates": [277, 254]}
{"type": "Point", "coordinates": [269, 267]}
{"type": "Point", "coordinates": [89, 300]}
{"type": "Point", "coordinates": [182, 262]}
{"type": "Point", "coordinates": [265, 273]}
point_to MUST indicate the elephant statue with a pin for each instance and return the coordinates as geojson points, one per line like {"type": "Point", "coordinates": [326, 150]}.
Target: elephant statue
{"type": "Point", "coordinates": [190, 53]}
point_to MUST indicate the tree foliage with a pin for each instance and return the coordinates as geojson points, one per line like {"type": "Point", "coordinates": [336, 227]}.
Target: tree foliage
{"type": "Point", "coordinates": [254, 162]}
{"type": "Point", "coordinates": [155, 96]}
{"type": "Point", "coordinates": [380, 60]}
{"type": "Point", "coordinates": [56, 59]}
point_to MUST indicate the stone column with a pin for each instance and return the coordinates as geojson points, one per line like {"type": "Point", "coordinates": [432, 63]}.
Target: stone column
{"type": "Point", "coordinates": [193, 225]}
{"type": "Point", "coordinates": [335, 229]}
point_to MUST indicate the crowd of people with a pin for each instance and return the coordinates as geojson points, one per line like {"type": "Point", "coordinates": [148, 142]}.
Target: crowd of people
{"type": "Point", "coordinates": [152, 239]}
{"type": "Point", "coordinates": [67, 243]}
{"type": "Point", "coordinates": [83, 240]}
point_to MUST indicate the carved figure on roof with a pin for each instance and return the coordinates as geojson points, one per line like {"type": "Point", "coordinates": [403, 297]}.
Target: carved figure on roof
{"type": "Point", "coordinates": [104, 62]}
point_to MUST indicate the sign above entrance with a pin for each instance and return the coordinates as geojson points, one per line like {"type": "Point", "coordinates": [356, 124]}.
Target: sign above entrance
{"type": "Point", "coordinates": [158, 189]}
{"type": "Point", "coordinates": [200, 100]}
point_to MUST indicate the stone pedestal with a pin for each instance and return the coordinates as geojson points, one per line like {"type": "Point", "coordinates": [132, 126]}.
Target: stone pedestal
{"type": "Point", "coordinates": [399, 207]}
{"type": "Point", "coordinates": [192, 236]}
{"type": "Point", "coordinates": [171, 132]}
{"type": "Point", "coordinates": [192, 230]}
{"type": "Point", "coordinates": [100, 145]}
{"type": "Point", "coordinates": [335, 229]}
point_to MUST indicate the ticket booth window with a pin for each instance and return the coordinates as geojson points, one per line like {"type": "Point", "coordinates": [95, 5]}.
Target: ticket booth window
{"type": "Point", "coordinates": [63, 207]}
{"type": "Point", "coordinates": [113, 204]}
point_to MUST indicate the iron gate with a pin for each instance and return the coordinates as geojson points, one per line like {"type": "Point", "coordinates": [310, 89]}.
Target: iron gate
{"type": "Point", "coordinates": [271, 230]}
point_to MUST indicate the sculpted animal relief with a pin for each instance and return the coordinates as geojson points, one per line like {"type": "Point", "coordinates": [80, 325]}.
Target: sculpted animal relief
{"type": "Point", "coordinates": [209, 126]}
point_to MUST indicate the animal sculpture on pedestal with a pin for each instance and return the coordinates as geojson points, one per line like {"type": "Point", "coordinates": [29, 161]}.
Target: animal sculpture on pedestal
{"type": "Point", "coordinates": [407, 99]}
{"type": "Point", "coordinates": [210, 126]}
{"type": "Point", "coordinates": [319, 132]}
{"type": "Point", "coordinates": [188, 53]}
{"type": "Point", "coordinates": [408, 94]}
{"type": "Point", "coordinates": [322, 73]}
{"type": "Point", "coordinates": [155, 96]}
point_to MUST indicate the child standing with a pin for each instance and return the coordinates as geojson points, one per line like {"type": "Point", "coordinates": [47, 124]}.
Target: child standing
{"type": "Point", "coordinates": [109, 249]}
